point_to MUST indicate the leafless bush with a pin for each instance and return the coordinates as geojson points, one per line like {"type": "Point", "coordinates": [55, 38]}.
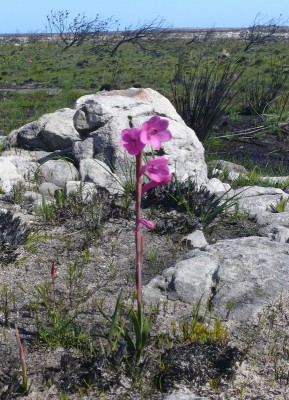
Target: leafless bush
{"type": "Point", "coordinates": [76, 31]}
{"type": "Point", "coordinates": [262, 30]}
{"type": "Point", "coordinates": [104, 34]}
{"type": "Point", "coordinates": [148, 36]}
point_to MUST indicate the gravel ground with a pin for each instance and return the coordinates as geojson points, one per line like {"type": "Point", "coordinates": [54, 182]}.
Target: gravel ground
{"type": "Point", "coordinates": [92, 267]}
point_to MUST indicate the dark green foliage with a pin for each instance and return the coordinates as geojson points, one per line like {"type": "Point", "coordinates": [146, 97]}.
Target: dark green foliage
{"type": "Point", "coordinates": [137, 341]}
{"type": "Point", "coordinates": [192, 207]}
{"type": "Point", "coordinates": [120, 341]}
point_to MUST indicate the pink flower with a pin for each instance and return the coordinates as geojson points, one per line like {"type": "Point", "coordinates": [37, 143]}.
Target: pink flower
{"type": "Point", "coordinates": [154, 131]}
{"type": "Point", "coordinates": [130, 141]}
{"type": "Point", "coordinates": [157, 169]}
{"type": "Point", "coordinates": [152, 184]}
{"type": "Point", "coordinates": [148, 224]}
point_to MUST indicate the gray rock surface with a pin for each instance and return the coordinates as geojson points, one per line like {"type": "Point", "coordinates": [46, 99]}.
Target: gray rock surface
{"type": "Point", "coordinates": [267, 218]}
{"type": "Point", "coordinates": [195, 239]}
{"type": "Point", "coordinates": [47, 188]}
{"type": "Point", "coordinates": [57, 172]}
{"type": "Point", "coordinates": [51, 132]}
{"type": "Point", "coordinates": [227, 168]}
{"type": "Point", "coordinates": [29, 155]}
{"type": "Point", "coordinates": [275, 232]}
{"type": "Point", "coordinates": [99, 173]}
{"type": "Point", "coordinates": [83, 149]}
{"type": "Point", "coordinates": [15, 169]}
{"type": "Point", "coordinates": [214, 185]}
{"type": "Point", "coordinates": [254, 199]}
{"type": "Point", "coordinates": [238, 277]}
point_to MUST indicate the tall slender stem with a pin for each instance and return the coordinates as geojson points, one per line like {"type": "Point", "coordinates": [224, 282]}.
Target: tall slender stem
{"type": "Point", "coordinates": [22, 361]}
{"type": "Point", "coordinates": [139, 236]}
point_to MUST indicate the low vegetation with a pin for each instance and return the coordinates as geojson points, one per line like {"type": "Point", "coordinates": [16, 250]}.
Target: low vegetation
{"type": "Point", "coordinates": [227, 95]}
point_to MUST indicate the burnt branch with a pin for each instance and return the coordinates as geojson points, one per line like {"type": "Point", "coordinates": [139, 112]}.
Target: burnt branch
{"type": "Point", "coordinates": [262, 31]}
{"type": "Point", "coordinates": [76, 31]}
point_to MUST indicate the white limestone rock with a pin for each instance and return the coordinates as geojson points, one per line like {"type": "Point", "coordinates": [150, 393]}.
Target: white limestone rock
{"type": "Point", "coordinates": [58, 172]}
{"type": "Point", "coordinates": [195, 240]}
{"type": "Point", "coordinates": [105, 114]}
{"type": "Point", "coordinates": [99, 173]}
{"type": "Point", "coordinates": [14, 170]}
{"type": "Point", "coordinates": [54, 131]}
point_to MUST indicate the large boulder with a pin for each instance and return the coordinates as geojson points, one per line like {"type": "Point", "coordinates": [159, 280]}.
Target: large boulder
{"type": "Point", "coordinates": [51, 132]}
{"type": "Point", "coordinates": [238, 277]}
{"type": "Point", "coordinates": [104, 115]}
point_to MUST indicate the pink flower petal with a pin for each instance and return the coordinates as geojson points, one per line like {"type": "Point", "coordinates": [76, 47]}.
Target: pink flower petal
{"type": "Point", "coordinates": [163, 124]}
{"type": "Point", "coordinates": [152, 184]}
{"type": "Point", "coordinates": [155, 142]}
{"type": "Point", "coordinates": [154, 131]}
{"type": "Point", "coordinates": [144, 135]}
{"type": "Point", "coordinates": [165, 135]}
{"type": "Point", "coordinates": [147, 223]}
{"type": "Point", "coordinates": [130, 141]}
{"type": "Point", "coordinates": [157, 169]}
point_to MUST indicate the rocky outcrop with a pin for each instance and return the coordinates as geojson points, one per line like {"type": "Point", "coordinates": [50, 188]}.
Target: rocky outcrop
{"type": "Point", "coordinates": [236, 277]}
{"type": "Point", "coordinates": [89, 135]}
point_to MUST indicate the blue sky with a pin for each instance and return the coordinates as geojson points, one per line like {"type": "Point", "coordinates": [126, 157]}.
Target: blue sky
{"type": "Point", "coordinates": [26, 16]}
